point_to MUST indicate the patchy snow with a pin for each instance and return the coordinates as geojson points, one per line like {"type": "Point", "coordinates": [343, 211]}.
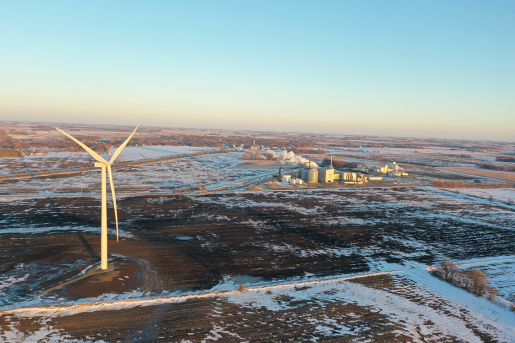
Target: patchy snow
{"type": "Point", "coordinates": [438, 310]}
{"type": "Point", "coordinates": [500, 194]}
{"type": "Point", "coordinates": [46, 333]}
{"type": "Point", "coordinates": [9, 280]}
{"type": "Point", "coordinates": [21, 229]}
{"type": "Point", "coordinates": [27, 279]}
{"type": "Point", "coordinates": [500, 271]}
{"type": "Point", "coordinates": [211, 171]}
{"type": "Point", "coordinates": [154, 152]}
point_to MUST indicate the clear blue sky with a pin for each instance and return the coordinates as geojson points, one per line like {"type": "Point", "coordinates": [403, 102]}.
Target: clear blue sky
{"type": "Point", "coordinates": [409, 68]}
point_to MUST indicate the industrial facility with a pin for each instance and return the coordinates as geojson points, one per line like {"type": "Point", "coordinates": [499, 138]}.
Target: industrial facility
{"type": "Point", "coordinates": [292, 180]}
{"type": "Point", "coordinates": [392, 170]}
{"type": "Point", "coordinates": [360, 175]}
{"type": "Point", "coordinates": [309, 172]}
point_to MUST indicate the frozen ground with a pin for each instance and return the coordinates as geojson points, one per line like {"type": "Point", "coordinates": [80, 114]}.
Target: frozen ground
{"type": "Point", "coordinates": [429, 156]}
{"type": "Point", "coordinates": [319, 264]}
{"type": "Point", "coordinates": [414, 306]}
{"type": "Point", "coordinates": [155, 152]}
{"type": "Point", "coordinates": [210, 171]}
{"type": "Point", "coordinates": [63, 160]}
{"type": "Point", "coordinates": [500, 194]}
{"type": "Point", "coordinates": [500, 271]}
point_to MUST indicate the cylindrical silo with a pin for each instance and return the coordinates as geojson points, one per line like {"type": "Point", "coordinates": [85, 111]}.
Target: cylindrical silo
{"type": "Point", "coordinates": [304, 174]}
{"type": "Point", "coordinates": [313, 176]}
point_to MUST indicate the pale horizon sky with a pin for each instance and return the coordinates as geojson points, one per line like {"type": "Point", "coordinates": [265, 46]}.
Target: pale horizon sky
{"type": "Point", "coordinates": [402, 68]}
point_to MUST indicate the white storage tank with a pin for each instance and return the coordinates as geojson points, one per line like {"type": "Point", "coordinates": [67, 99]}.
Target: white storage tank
{"type": "Point", "coordinates": [313, 176]}
{"type": "Point", "coordinates": [286, 178]}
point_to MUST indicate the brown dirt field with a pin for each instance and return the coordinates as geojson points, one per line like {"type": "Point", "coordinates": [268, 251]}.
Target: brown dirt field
{"type": "Point", "coordinates": [126, 276]}
{"type": "Point", "coordinates": [198, 319]}
{"type": "Point", "coordinates": [279, 235]}
{"type": "Point", "coordinates": [192, 242]}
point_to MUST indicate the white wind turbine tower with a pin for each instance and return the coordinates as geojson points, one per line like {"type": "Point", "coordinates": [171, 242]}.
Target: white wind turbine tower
{"type": "Point", "coordinates": [103, 164]}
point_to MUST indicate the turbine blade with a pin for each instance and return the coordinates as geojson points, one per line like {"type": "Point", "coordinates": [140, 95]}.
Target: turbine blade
{"type": "Point", "coordinates": [114, 199]}
{"type": "Point", "coordinates": [91, 152]}
{"type": "Point", "coordinates": [120, 148]}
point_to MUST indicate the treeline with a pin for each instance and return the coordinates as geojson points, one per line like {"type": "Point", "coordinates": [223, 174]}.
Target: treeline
{"type": "Point", "coordinates": [299, 151]}
{"type": "Point", "coordinates": [510, 159]}
{"type": "Point", "coordinates": [12, 144]}
{"type": "Point", "coordinates": [216, 141]}
{"type": "Point", "coordinates": [101, 145]}
{"type": "Point", "coordinates": [461, 184]}
{"type": "Point", "coordinates": [474, 280]}
{"type": "Point", "coordinates": [338, 164]}
{"type": "Point", "coordinates": [497, 167]}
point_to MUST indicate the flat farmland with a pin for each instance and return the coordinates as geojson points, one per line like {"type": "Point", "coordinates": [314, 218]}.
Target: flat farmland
{"type": "Point", "coordinates": [208, 171]}
{"type": "Point", "coordinates": [485, 173]}
{"type": "Point", "coordinates": [315, 265]}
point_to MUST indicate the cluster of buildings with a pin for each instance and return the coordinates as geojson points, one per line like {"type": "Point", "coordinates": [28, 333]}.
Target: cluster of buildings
{"type": "Point", "coordinates": [392, 170]}
{"type": "Point", "coordinates": [32, 152]}
{"type": "Point", "coordinates": [253, 147]}
{"type": "Point", "coordinates": [329, 174]}
{"type": "Point", "coordinates": [293, 180]}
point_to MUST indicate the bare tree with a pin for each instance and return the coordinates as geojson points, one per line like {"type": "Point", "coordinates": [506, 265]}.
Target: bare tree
{"type": "Point", "coordinates": [449, 269]}
{"type": "Point", "coordinates": [492, 292]}
{"type": "Point", "coordinates": [479, 281]}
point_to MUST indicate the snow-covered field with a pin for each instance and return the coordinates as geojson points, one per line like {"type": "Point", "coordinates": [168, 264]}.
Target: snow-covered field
{"type": "Point", "coordinates": [500, 194]}
{"type": "Point", "coordinates": [63, 160]}
{"type": "Point", "coordinates": [430, 156]}
{"type": "Point", "coordinates": [210, 171]}
{"type": "Point", "coordinates": [155, 152]}
{"type": "Point", "coordinates": [415, 307]}
{"type": "Point", "coordinates": [389, 235]}
{"type": "Point", "coordinates": [500, 271]}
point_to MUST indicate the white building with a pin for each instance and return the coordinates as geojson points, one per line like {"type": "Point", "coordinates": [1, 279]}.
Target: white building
{"type": "Point", "coordinates": [326, 174]}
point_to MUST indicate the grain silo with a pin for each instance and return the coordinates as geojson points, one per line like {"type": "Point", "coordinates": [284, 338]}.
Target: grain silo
{"type": "Point", "coordinates": [313, 176]}
{"type": "Point", "coordinates": [304, 174]}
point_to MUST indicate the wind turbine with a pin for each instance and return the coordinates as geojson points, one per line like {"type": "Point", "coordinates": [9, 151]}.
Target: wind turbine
{"type": "Point", "coordinates": [103, 164]}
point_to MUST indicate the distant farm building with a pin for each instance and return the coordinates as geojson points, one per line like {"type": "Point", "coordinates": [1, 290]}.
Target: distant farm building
{"type": "Point", "coordinates": [392, 170]}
